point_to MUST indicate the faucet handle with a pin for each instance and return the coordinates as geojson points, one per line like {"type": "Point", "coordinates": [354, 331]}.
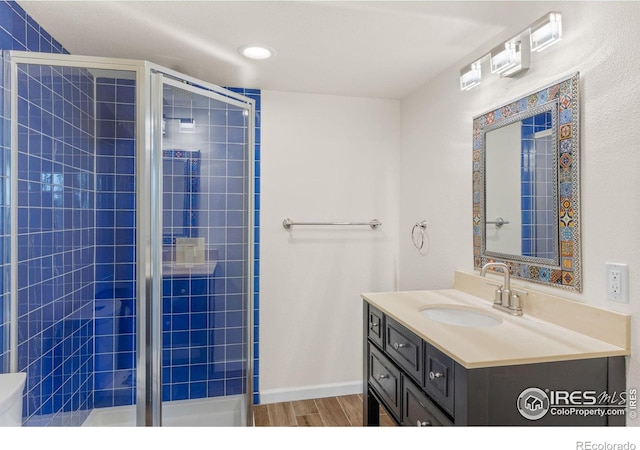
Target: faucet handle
{"type": "Point", "coordinates": [497, 299]}
{"type": "Point", "coordinates": [515, 304]}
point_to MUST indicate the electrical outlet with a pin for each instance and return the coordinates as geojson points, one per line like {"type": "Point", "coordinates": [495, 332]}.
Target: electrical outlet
{"type": "Point", "coordinates": [617, 282]}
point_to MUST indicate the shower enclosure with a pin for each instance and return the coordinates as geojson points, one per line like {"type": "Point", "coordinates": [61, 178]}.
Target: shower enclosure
{"type": "Point", "coordinates": [131, 243]}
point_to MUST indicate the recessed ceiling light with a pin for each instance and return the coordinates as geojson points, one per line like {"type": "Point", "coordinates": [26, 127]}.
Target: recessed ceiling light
{"type": "Point", "coordinates": [256, 52]}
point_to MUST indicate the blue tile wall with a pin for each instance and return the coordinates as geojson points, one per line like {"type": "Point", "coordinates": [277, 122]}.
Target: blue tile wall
{"type": "Point", "coordinates": [528, 189]}
{"type": "Point", "coordinates": [18, 31]}
{"type": "Point", "coordinates": [536, 199]}
{"type": "Point", "coordinates": [115, 243]}
{"type": "Point", "coordinates": [55, 167]}
{"type": "Point", "coordinates": [55, 268]}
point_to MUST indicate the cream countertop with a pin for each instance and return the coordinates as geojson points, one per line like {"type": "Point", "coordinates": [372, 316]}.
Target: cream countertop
{"type": "Point", "coordinates": [517, 340]}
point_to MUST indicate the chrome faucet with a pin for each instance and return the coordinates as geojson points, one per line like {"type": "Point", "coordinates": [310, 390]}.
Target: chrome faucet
{"type": "Point", "coordinates": [504, 299]}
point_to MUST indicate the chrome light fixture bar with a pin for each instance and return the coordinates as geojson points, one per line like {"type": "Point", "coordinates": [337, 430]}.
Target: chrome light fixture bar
{"type": "Point", "coordinates": [470, 76]}
{"type": "Point", "coordinates": [546, 31]}
{"type": "Point", "coordinates": [510, 57]}
{"type": "Point", "coordinates": [514, 56]}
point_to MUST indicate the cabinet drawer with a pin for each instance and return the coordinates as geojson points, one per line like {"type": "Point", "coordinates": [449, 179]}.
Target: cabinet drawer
{"type": "Point", "coordinates": [404, 347]}
{"type": "Point", "coordinates": [384, 378]}
{"type": "Point", "coordinates": [418, 410]}
{"type": "Point", "coordinates": [374, 331]}
{"type": "Point", "coordinates": [439, 382]}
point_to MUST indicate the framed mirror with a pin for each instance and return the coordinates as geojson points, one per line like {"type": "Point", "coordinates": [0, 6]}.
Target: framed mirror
{"type": "Point", "coordinates": [526, 186]}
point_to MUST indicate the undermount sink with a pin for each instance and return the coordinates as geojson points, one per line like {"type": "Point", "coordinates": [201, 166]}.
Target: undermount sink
{"type": "Point", "coordinates": [461, 316]}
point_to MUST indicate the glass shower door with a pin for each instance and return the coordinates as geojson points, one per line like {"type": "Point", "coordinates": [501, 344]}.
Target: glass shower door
{"type": "Point", "coordinates": [203, 155]}
{"type": "Point", "coordinates": [72, 232]}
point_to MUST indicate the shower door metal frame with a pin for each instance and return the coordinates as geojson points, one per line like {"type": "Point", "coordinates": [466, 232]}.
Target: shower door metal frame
{"type": "Point", "coordinates": [160, 76]}
{"type": "Point", "coordinates": [149, 79]}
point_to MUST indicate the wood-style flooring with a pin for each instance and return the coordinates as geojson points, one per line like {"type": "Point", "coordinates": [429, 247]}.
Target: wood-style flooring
{"type": "Point", "coordinates": [343, 411]}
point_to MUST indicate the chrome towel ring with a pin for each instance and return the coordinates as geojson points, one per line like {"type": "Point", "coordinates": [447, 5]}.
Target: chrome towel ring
{"type": "Point", "coordinates": [419, 235]}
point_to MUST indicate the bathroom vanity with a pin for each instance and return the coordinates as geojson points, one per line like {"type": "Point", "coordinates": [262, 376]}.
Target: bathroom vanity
{"type": "Point", "coordinates": [446, 357]}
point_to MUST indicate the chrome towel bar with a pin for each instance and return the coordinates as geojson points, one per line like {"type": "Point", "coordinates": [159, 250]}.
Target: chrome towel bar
{"type": "Point", "coordinates": [288, 223]}
{"type": "Point", "coordinates": [498, 222]}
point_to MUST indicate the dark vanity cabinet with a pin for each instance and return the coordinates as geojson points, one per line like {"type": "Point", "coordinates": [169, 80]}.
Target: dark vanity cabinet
{"type": "Point", "coordinates": [420, 385]}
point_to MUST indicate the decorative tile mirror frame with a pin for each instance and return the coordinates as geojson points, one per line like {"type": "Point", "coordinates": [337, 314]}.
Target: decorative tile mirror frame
{"type": "Point", "coordinates": [562, 268]}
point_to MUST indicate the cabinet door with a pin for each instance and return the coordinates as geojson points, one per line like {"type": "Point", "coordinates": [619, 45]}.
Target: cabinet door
{"type": "Point", "coordinates": [439, 377]}
{"type": "Point", "coordinates": [404, 347]}
{"type": "Point", "coordinates": [384, 378]}
{"type": "Point", "coordinates": [418, 410]}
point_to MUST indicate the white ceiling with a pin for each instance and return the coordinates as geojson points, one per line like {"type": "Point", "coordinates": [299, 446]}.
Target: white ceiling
{"type": "Point", "coordinates": [382, 49]}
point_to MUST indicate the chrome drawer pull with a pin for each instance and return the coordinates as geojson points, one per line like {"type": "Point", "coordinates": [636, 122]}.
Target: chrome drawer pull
{"type": "Point", "coordinates": [435, 375]}
{"type": "Point", "coordinates": [423, 424]}
{"type": "Point", "coordinates": [397, 346]}
{"type": "Point", "coordinates": [373, 325]}
{"type": "Point", "coordinates": [382, 377]}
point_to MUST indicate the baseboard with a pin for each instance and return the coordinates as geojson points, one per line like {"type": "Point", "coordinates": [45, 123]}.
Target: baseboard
{"type": "Point", "coordinates": [309, 392]}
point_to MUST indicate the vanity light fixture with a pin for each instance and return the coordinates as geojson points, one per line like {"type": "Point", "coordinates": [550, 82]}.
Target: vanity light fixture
{"type": "Point", "coordinates": [511, 57]}
{"type": "Point", "coordinates": [256, 52]}
{"type": "Point", "coordinates": [470, 76]}
{"type": "Point", "coordinates": [546, 31]}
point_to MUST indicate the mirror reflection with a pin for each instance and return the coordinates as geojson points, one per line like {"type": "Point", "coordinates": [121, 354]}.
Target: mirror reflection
{"type": "Point", "coordinates": [520, 187]}
{"type": "Point", "coordinates": [181, 171]}
{"type": "Point", "coordinates": [526, 200]}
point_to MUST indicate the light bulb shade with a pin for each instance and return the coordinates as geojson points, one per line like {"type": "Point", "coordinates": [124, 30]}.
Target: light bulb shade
{"type": "Point", "coordinates": [510, 57]}
{"type": "Point", "coordinates": [470, 76]}
{"type": "Point", "coordinates": [546, 31]}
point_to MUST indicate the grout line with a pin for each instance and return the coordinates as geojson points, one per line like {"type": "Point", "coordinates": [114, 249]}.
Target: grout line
{"type": "Point", "coordinates": [319, 413]}
{"type": "Point", "coordinates": [344, 411]}
{"type": "Point", "coordinates": [323, 419]}
{"type": "Point", "coordinates": [269, 417]}
{"type": "Point", "coordinates": [293, 414]}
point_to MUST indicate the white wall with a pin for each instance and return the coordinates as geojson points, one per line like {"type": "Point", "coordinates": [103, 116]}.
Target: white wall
{"type": "Point", "coordinates": [600, 41]}
{"type": "Point", "coordinates": [503, 180]}
{"type": "Point", "coordinates": [323, 158]}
